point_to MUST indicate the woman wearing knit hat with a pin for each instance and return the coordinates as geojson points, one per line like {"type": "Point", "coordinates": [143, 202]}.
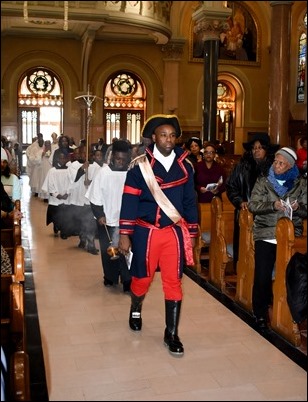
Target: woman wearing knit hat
{"type": "Point", "coordinates": [282, 185]}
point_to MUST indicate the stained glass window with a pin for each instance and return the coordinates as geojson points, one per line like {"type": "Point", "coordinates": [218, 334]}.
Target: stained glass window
{"type": "Point", "coordinates": [301, 70]}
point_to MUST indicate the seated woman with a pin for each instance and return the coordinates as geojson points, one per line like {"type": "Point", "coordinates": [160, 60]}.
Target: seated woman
{"type": "Point", "coordinates": [10, 181]}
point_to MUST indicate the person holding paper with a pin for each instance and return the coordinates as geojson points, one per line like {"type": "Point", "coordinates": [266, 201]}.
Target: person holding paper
{"type": "Point", "coordinates": [209, 176]}
{"type": "Point", "coordinates": [283, 183]}
{"type": "Point", "coordinates": [159, 221]}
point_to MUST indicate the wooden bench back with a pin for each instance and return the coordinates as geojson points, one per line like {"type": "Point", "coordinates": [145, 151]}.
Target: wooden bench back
{"type": "Point", "coordinates": [246, 261]}
{"type": "Point", "coordinates": [19, 264]}
{"type": "Point", "coordinates": [222, 224]}
{"type": "Point", "coordinates": [13, 338]}
{"type": "Point", "coordinates": [204, 226]}
{"type": "Point", "coordinates": [287, 245]}
{"type": "Point", "coordinates": [228, 162]}
{"type": "Point", "coordinates": [204, 210]}
{"type": "Point", "coordinates": [10, 238]}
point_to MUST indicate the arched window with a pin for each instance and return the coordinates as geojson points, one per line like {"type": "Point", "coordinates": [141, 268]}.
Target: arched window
{"type": "Point", "coordinates": [225, 111]}
{"type": "Point", "coordinates": [124, 107]}
{"type": "Point", "coordinates": [40, 104]}
{"type": "Point", "coordinates": [302, 63]}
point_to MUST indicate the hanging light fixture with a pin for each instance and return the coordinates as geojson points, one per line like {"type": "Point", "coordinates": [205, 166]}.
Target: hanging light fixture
{"type": "Point", "coordinates": [65, 25]}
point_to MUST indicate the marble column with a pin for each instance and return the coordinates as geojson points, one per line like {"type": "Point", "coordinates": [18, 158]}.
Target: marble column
{"type": "Point", "coordinates": [211, 53]}
{"type": "Point", "coordinates": [280, 72]}
{"type": "Point", "coordinates": [173, 52]}
{"type": "Point", "coordinates": [210, 22]}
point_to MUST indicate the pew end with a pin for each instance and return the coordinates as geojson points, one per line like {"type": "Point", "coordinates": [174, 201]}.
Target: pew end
{"type": "Point", "coordinates": [221, 260]}
{"type": "Point", "coordinates": [20, 376]}
{"type": "Point", "coordinates": [201, 249]}
{"type": "Point", "coordinates": [287, 245]}
{"type": "Point", "coordinates": [246, 261]}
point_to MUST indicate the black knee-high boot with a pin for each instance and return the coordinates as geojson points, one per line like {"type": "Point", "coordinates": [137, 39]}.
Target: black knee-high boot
{"type": "Point", "coordinates": [135, 321]}
{"type": "Point", "coordinates": [171, 339]}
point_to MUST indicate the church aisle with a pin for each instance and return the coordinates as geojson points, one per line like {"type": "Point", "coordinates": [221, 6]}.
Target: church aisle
{"type": "Point", "coordinates": [90, 354]}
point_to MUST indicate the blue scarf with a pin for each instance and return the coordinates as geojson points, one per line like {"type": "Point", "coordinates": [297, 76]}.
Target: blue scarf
{"type": "Point", "coordinates": [288, 176]}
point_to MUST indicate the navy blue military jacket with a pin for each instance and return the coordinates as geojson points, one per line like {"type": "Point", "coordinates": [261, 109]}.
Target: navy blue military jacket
{"type": "Point", "coordinates": [139, 205]}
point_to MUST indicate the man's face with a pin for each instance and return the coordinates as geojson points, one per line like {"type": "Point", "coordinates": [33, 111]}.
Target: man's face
{"type": "Point", "coordinates": [98, 158]}
{"type": "Point", "coordinates": [165, 139]}
{"type": "Point", "coordinates": [120, 161]}
{"type": "Point", "coordinates": [62, 159]}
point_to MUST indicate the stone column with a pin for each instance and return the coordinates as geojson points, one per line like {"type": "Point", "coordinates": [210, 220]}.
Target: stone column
{"type": "Point", "coordinates": [280, 72]}
{"type": "Point", "coordinates": [210, 22]}
{"type": "Point", "coordinates": [173, 51]}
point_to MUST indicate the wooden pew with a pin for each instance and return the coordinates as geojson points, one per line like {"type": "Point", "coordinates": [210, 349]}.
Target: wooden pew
{"type": "Point", "coordinates": [246, 261]}
{"type": "Point", "coordinates": [20, 376]}
{"type": "Point", "coordinates": [204, 228]}
{"type": "Point", "coordinates": [222, 224]}
{"type": "Point", "coordinates": [13, 338]}
{"type": "Point", "coordinates": [228, 162]}
{"type": "Point", "coordinates": [7, 281]}
{"type": "Point", "coordinates": [13, 334]}
{"type": "Point", "coordinates": [11, 237]}
{"type": "Point", "coordinates": [197, 253]}
{"type": "Point", "coordinates": [19, 264]}
{"type": "Point", "coordinates": [287, 245]}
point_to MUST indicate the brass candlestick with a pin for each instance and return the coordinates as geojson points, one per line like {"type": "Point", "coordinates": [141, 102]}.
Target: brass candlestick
{"type": "Point", "coordinates": [112, 250]}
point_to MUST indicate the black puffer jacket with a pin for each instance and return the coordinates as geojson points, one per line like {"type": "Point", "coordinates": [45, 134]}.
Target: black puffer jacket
{"type": "Point", "coordinates": [240, 183]}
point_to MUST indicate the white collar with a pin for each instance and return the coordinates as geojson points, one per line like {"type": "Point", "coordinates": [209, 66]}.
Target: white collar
{"type": "Point", "coordinates": [166, 161]}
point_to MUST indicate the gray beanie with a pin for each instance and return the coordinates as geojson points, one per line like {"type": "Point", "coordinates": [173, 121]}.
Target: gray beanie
{"type": "Point", "coordinates": [289, 154]}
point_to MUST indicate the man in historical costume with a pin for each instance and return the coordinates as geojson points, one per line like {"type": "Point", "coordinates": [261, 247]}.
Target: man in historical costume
{"type": "Point", "coordinates": [105, 195]}
{"type": "Point", "coordinates": [158, 222]}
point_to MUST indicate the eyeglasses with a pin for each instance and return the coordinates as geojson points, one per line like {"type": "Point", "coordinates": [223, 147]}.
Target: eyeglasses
{"type": "Point", "coordinates": [280, 163]}
{"type": "Point", "coordinates": [209, 152]}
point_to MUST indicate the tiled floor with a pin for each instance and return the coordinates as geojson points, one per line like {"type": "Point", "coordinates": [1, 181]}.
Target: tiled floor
{"type": "Point", "coordinates": [91, 355]}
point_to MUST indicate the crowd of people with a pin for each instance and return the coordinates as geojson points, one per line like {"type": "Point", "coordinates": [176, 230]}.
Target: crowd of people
{"type": "Point", "coordinates": [140, 202]}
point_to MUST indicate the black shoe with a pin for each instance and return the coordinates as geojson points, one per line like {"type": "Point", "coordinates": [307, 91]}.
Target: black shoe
{"type": "Point", "coordinates": [82, 244]}
{"type": "Point", "coordinates": [174, 344]}
{"type": "Point", "coordinates": [135, 320]}
{"type": "Point", "coordinates": [107, 282]}
{"type": "Point", "coordinates": [63, 236]}
{"type": "Point", "coordinates": [92, 250]}
{"type": "Point", "coordinates": [262, 323]}
{"type": "Point", "coordinates": [55, 230]}
{"type": "Point", "coordinates": [126, 286]}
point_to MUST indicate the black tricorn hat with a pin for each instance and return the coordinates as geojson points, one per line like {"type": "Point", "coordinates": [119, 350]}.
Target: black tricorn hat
{"type": "Point", "coordinates": [158, 120]}
{"type": "Point", "coordinates": [264, 140]}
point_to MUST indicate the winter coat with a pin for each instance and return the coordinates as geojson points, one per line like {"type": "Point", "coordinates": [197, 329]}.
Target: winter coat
{"type": "Point", "coordinates": [261, 204]}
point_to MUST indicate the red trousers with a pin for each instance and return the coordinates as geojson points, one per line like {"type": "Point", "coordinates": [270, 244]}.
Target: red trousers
{"type": "Point", "coordinates": [163, 253]}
